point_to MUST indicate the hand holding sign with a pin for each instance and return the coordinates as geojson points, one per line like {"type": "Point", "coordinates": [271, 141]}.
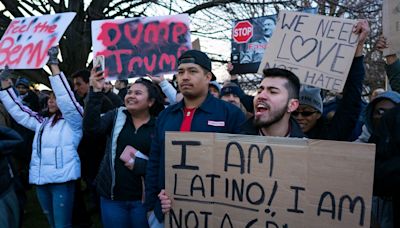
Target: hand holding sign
{"type": "Point", "coordinates": [381, 45]}
{"type": "Point", "coordinates": [156, 79]}
{"type": "Point", "coordinates": [362, 29]}
{"type": "Point", "coordinates": [166, 203]}
{"type": "Point", "coordinates": [53, 56]}
{"type": "Point", "coordinates": [5, 74]}
{"type": "Point", "coordinates": [53, 60]}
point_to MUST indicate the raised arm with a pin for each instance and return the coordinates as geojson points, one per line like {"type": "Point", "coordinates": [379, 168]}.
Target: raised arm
{"type": "Point", "coordinates": [348, 111]}
{"type": "Point", "coordinates": [93, 122]}
{"type": "Point", "coordinates": [392, 64]}
{"type": "Point", "coordinates": [20, 113]}
{"type": "Point", "coordinates": [166, 88]}
{"type": "Point", "coordinates": [70, 108]}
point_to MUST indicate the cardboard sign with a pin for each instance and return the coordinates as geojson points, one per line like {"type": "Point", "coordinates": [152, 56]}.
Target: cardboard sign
{"type": "Point", "coordinates": [138, 46]}
{"type": "Point", "coordinates": [196, 44]}
{"type": "Point", "coordinates": [318, 49]}
{"type": "Point", "coordinates": [26, 41]}
{"type": "Point", "coordinates": [391, 25]}
{"type": "Point", "coordinates": [221, 180]}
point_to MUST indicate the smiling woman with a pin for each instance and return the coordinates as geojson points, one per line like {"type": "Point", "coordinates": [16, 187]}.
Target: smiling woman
{"type": "Point", "coordinates": [129, 132]}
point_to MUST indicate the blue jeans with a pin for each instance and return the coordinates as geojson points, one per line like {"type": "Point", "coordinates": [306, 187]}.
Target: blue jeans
{"type": "Point", "coordinates": [9, 209]}
{"type": "Point", "coordinates": [57, 201]}
{"type": "Point", "coordinates": [123, 213]}
{"type": "Point", "coordinates": [382, 210]}
{"type": "Point", "coordinates": [153, 221]}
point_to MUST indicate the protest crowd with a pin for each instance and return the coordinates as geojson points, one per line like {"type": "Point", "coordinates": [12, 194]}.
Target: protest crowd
{"type": "Point", "coordinates": [91, 146]}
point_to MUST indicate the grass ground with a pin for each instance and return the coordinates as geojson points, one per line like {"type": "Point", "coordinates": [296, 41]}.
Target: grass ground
{"type": "Point", "coordinates": [34, 217]}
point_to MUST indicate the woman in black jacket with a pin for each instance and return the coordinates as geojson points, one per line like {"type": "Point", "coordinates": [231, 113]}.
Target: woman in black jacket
{"type": "Point", "coordinates": [129, 130]}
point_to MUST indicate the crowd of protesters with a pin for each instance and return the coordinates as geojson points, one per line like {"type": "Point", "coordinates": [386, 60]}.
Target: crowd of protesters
{"type": "Point", "coordinates": [114, 143]}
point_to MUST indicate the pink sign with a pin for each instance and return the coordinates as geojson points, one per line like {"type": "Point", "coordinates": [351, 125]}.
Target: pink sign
{"type": "Point", "coordinates": [139, 46]}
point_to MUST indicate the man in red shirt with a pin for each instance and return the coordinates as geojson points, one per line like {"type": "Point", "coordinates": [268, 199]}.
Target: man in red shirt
{"type": "Point", "coordinates": [198, 111]}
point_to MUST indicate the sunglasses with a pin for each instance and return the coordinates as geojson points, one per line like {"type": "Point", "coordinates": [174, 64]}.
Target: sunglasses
{"type": "Point", "coordinates": [305, 113]}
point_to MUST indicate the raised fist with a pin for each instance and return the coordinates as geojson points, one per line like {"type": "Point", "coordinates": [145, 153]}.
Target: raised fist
{"type": "Point", "coordinates": [53, 53]}
{"type": "Point", "coordinates": [5, 74]}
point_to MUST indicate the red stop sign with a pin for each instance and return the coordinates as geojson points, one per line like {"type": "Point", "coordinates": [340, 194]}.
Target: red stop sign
{"type": "Point", "coordinates": [242, 32]}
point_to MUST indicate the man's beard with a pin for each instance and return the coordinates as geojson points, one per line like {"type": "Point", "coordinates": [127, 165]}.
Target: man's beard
{"type": "Point", "coordinates": [274, 118]}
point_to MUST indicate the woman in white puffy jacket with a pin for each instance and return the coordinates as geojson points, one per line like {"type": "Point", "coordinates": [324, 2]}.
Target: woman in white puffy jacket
{"type": "Point", "coordinates": [55, 163]}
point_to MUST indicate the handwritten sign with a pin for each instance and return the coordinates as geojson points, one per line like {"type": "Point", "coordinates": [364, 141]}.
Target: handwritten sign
{"type": "Point", "coordinates": [26, 41]}
{"type": "Point", "coordinates": [318, 49]}
{"type": "Point", "coordinates": [138, 46]}
{"type": "Point", "coordinates": [391, 25]}
{"type": "Point", "coordinates": [221, 180]}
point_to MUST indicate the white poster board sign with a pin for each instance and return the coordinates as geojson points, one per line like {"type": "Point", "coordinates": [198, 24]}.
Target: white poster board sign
{"type": "Point", "coordinates": [26, 41]}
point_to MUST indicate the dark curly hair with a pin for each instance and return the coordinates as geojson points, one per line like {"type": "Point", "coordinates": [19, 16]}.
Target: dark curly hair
{"type": "Point", "coordinates": [154, 94]}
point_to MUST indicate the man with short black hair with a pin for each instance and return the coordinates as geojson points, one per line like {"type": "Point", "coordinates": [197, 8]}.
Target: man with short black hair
{"type": "Point", "coordinates": [81, 83]}
{"type": "Point", "coordinates": [122, 86]}
{"type": "Point", "coordinates": [114, 98]}
{"type": "Point", "coordinates": [277, 97]}
{"type": "Point", "coordinates": [198, 111]}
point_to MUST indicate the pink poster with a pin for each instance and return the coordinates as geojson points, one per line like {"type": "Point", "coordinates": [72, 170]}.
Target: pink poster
{"type": "Point", "coordinates": [135, 47]}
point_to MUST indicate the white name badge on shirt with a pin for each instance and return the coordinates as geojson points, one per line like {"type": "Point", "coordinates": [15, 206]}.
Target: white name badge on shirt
{"type": "Point", "coordinates": [216, 123]}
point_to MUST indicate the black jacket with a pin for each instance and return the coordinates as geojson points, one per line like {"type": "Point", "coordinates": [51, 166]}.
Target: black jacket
{"type": "Point", "coordinates": [8, 140]}
{"type": "Point", "coordinates": [387, 160]}
{"type": "Point", "coordinates": [122, 93]}
{"type": "Point", "coordinates": [91, 147]}
{"type": "Point", "coordinates": [248, 128]}
{"type": "Point", "coordinates": [115, 99]}
{"type": "Point", "coordinates": [348, 111]}
{"type": "Point", "coordinates": [110, 125]}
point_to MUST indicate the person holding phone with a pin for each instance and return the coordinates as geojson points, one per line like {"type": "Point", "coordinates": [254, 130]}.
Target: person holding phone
{"type": "Point", "coordinates": [55, 164]}
{"type": "Point", "coordinates": [129, 131]}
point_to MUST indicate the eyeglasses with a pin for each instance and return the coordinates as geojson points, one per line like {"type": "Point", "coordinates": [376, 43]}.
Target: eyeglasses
{"type": "Point", "coordinates": [305, 113]}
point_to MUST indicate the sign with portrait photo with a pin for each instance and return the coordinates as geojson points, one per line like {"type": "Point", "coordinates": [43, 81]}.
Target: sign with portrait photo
{"type": "Point", "coordinates": [249, 40]}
